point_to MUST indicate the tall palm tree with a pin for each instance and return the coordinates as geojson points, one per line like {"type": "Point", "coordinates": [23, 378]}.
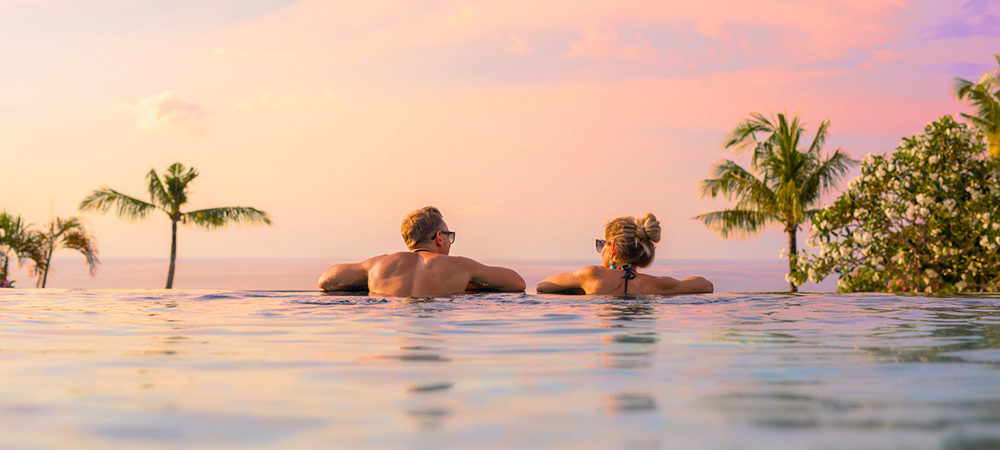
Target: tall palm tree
{"type": "Point", "coordinates": [168, 195]}
{"type": "Point", "coordinates": [18, 241]}
{"type": "Point", "coordinates": [985, 96]}
{"type": "Point", "coordinates": [783, 183]}
{"type": "Point", "coordinates": [70, 234]}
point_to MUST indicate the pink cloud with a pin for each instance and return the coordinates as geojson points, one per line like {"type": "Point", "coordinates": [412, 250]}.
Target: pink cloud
{"type": "Point", "coordinates": [366, 32]}
{"type": "Point", "coordinates": [603, 42]}
{"type": "Point", "coordinates": [165, 109]}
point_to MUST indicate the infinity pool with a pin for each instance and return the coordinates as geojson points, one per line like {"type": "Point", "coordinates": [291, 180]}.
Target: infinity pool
{"type": "Point", "coordinates": [265, 369]}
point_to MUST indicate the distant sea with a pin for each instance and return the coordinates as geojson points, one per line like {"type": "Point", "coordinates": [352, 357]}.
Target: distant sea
{"type": "Point", "coordinates": [301, 274]}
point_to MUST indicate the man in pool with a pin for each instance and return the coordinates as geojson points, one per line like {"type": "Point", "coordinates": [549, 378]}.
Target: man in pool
{"type": "Point", "coordinates": [425, 270]}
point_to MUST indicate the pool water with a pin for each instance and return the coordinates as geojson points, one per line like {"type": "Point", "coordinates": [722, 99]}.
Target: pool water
{"type": "Point", "coordinates": [266, 369]}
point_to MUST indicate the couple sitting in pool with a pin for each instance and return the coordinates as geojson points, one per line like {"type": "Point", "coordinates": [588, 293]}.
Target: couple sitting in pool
{"type": "Point", "coordinates": [427, 270]}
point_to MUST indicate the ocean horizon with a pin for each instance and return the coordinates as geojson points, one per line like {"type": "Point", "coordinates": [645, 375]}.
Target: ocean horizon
{"type": "Point", "coordinates": [294, 274]}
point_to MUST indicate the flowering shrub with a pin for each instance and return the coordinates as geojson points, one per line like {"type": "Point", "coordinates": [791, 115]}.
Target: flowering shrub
{"type": "Point", "coordinates": [922, 219]}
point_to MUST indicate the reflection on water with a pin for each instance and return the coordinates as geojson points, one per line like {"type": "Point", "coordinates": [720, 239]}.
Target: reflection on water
{"type": "Point", "coordinates": [209, 369]}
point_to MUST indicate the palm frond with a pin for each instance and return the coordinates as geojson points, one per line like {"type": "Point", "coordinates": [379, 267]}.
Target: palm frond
{"type": "Point", "coordinates": [825, 176]}
{"type": "Point", "coordinates": [20, 240]}
{"type": "Point", "coordinates": [731, 180]}
{"type": "Point", "coordinates": [743, 137]}
{"type": "Point", "coordinates": [177, 181]}
{"type": "Point", "coordinates": [734, 222]}
{"type": "Point", "coordinates": [79, 240]}
{"type": "Point", "coordinates": [820, 139]}
{"type": "Point", "coordinates": [217, 217]}
{"type": "Point", "coordinates": [102, 200]}
{"type": "Point", "coordinates": [157, 193]}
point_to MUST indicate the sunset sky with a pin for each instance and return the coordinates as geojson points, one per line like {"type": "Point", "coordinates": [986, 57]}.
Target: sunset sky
{"type": "Point", "coordinates": [529, 123]}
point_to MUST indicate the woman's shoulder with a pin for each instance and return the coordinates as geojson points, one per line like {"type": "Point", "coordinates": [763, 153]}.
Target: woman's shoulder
{"type": "Point", "coordinates": [590, 271]}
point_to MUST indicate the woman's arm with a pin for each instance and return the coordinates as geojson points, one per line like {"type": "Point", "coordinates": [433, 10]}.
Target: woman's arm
{"type": "Point", "coordinates": [689, 285]}
{"type": "Point", "coordinates": [562, 283]}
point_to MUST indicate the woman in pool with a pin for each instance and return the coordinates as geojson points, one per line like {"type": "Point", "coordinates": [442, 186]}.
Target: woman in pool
{"type": "Point", "coordinates": [629, 243]}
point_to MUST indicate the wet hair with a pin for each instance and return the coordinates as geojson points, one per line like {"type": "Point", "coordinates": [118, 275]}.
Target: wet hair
{"type": "Point", "coordinates": [421, 225]}
{"type": "Point", "coordinates": [635, 238]}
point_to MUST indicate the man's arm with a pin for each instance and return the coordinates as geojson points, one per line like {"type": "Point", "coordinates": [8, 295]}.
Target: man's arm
{"type": "Point", "coordinates": [689, 285]}
{"type": "Point", "coordinates": [346, 277]}
{"type": "Point", "coordinates": [493, 278]}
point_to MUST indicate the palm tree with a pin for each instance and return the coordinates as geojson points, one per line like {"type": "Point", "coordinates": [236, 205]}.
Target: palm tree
{"type": "Point", "coordinates": [985, 96]}
{"type": "Point", "coordinates": [66, 233]}
{"type": "Point", "coordinates": [18, 241]}
{"type": "Point", "coordinates": [782, 185]}
{"type": "Point", "coordinates": [168, 196]}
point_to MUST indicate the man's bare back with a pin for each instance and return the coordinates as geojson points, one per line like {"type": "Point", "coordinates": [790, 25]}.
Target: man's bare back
{"type": "Point", "coordinates": [409, 274]}
{"type": "Point", "coordinates": [426, 270]}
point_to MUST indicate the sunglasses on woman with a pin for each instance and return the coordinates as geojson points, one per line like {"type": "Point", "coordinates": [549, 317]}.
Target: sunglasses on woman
{"type": "Point", "coordinates": [601, 243]}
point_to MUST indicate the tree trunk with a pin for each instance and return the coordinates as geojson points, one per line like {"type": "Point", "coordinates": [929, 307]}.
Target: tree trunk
{"type": "Point", "coordinates": [792, 251]}
{"type": "Point", "coordinates": [173, 253]}
{"type": "Point", "coordinates": [45, 273]}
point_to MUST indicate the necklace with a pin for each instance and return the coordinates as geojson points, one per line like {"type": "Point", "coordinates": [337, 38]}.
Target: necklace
{"type": "Point", "coordinates": [420, 250]}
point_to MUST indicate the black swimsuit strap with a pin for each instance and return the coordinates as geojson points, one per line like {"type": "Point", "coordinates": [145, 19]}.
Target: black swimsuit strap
{"type": "Point", "coordinates": [629, 274]}
{"type": "Point", "coordinates": [420, 250]}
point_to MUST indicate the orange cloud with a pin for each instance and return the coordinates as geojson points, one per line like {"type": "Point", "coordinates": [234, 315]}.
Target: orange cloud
{"type": "Point", "coordinates": [519, 44]}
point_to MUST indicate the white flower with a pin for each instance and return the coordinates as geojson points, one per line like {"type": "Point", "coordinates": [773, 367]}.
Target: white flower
{"type": "Point", "coordinates": [860, 213]}
{"type": "Point", "coordinates": [931, 273]}
{"type": "Point", "coordinates": [812, 275]}
{"type": "Point", "coordinates": [844, 251]}
{"type": "Point", "coordinates": [933, 159]}
{"type": "Point", "coordinates": [961, 285]}
{"type": "Point", "coordinates": [984, 241]}
{"type": "Point", "coordinates": [949, 204]}
{"type": "Point", "coordinates": [783, 253]}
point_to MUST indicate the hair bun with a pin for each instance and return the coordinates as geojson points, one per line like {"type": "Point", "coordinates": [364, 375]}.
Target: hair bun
{"type": "Point", "coordinates": [648, 228]}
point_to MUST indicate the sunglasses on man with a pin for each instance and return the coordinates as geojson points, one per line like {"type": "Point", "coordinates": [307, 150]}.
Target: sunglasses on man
{"type": "Point", "coordinates": [450, 234]}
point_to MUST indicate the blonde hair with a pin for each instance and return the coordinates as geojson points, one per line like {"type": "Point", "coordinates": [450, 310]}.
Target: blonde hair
{"type": "Point", "coordinates": [635, 238]}
{"type": "Point", "coordinates": [421, 225]}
